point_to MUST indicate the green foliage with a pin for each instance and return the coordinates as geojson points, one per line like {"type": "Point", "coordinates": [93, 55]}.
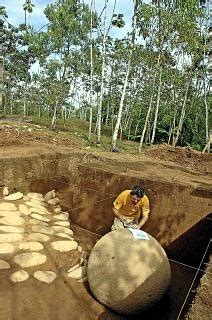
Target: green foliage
{"type": "Point", "coordinates": [171, 36]}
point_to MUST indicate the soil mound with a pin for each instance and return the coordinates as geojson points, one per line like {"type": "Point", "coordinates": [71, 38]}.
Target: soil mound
{"type": "Point", "coordinates": [185, 156]}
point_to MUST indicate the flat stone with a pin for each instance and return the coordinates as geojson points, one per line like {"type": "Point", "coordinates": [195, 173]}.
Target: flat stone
{"type": "Point", "coordinates": [38, 237]}
{"type": "Point", "coordinates": [57, 210]}
{"type": "Point", "coordinates": [79, 248]}
{"type": "Point", "coordinates": [12, 229]}
{"type": "Point", "coordinates": [38, 222]}
{"type": "Point", "coordinates": [78, 273]}
{"type": "Point", "coordinates": [38, 202]}
{"type": "Point", "coordinates": [10, 237]}
{"type": "Point", "coordinates": [19, 276]}
{"type": "Point", "coordinates": [24, 209]}
{"type": "Point", "coordinates": [12, 221]}
{"type": "Point", "coordinates": [62, 223]}
{"type": "Point", "coordinates": [5, 191]}
{"type": "Point", "coordinates": [50, 195]}
{"type": "Point", "coordinates": [35, 195]}
{"type": "Point", "coordinates": [39, 211]}
{"type": "Point", "coordinates": [53, 202]}
{"type": "Point", "coordinates": [30, 259]}
{"type": "Point", "coordinates": [4, 265]}
{"type": "Point", "coordinates": [63, 235]}
{"type": "Point", "coordinates": [14, 196]}
{"type": "Point", "coordinates": [29, 203]}
{"type": "Point", "coordinates": [36, 207]}
{"type": "Point", "coordinates": [60, 229]}
{"type": "Point", "coordinates": [10, 214]}
{"type": "Point", "coordinates": [8, 206]}
{"type": "Point", "coordinates": [45, 276]}
{"type": "Point", "coordinates": [62, 216]}
{"type": "Point", "coordinates": [42, 229]}
{"type": "Point", "coordinates": [74, 267]}
{"type": "Point", "coordinates": [81, 260]}
{"type": "Point", "coordinates": [39, 217]}
{"type": "Point", "coordinates": [6, 248]}
{"type": "Point", "coordinates": [84, 279]}
{"type": "Point", "coordinates": [64, 246]}
{"type": "Point", "coordinates": [30, 246]}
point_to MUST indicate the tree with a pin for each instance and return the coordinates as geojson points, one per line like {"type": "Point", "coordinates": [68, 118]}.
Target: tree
{"type": "Point", "coordinates": [28, 7]}
{"type": "Point", "coordinates": [132, 44]}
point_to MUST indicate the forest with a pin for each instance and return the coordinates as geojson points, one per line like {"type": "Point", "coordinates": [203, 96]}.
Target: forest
{"type": "Point", "coordinates": [151, 86]}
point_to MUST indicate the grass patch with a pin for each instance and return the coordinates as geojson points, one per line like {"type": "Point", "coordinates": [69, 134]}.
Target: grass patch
{"type": "Point", "coordinates": [76, 130]}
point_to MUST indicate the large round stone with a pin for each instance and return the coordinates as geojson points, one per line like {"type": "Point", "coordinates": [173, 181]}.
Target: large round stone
{"type": "Point", "coordinates": [127, 274]}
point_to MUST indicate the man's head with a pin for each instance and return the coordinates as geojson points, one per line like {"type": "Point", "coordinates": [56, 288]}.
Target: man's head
{"type": "Point", "coordinates": [136, 194]}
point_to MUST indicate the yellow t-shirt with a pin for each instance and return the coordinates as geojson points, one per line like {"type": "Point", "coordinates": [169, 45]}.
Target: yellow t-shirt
{"type": "Point", "coordinates": [129, 210]}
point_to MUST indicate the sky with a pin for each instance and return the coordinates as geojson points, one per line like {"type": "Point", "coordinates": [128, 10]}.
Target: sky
{"type": "Point", "coordinates": [16, 13]}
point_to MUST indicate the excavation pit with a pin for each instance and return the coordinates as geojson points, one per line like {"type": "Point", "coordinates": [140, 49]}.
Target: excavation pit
{"type": "Point", "coordinates": [86, 191]}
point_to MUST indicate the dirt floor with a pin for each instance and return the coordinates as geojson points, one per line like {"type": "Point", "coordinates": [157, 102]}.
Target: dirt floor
{"type": "Point", "coordinates": [23, 138]}
{"type": "Point", "coordinates": [203, 299]}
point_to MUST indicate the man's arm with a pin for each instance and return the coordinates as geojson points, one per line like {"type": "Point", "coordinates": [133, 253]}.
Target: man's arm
{"type": "Point", "coordinates": [145, 213]}
{"type": "Point", "coordinates": [116, 213]}
{"type": "Point", "coordinates": [143, 220]}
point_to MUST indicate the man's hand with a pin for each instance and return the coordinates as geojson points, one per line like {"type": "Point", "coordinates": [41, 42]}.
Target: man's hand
{"type": "Point", "coordinates": [123, 219]}
{"type": "Point", "coordinates": [143, 220]}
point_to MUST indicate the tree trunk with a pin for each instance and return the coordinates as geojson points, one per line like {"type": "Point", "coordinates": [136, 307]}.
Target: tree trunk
{"type": "Point", "coordinates": [25, 97]}
{"type": "Point", "coordinates": [115, 133]}
{"type": "Point", "coordinates": [99, 116]}
{"type": "Point", "coordinates": [91, 75]}
{"type": "Point", "coordinates": [207, 134]}
{"type": "Point", "coordinates": [1, 70]}
{"type": "Point", "coordinates": [182, 116]}
{"type": "Point", "coordinates": [150, 104]}
{"type": "Point", "coordinates": [157, 108]}
{"type": "Point", "coordinates": [107, 113]}
{"type": "Point", "coordinates": [39, 112]}
{"type": "Point", "coordinates": [53, 124]}
{"type": "Point", "coordinates": [129, 130]}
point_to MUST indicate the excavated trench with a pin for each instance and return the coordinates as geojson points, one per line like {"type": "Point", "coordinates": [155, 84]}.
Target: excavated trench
{"type": "Point", "coordinates": [86, 187]}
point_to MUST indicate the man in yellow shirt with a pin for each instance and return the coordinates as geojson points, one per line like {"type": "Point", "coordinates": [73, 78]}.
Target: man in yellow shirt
{"type": "Point", "coordinates": [131, 209]}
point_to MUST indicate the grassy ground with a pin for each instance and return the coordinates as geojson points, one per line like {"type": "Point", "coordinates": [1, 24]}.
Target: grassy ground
{"type": "Point", "coordinates": [73, 129]}
{"type": "Point", "coordinates": [79, 129]}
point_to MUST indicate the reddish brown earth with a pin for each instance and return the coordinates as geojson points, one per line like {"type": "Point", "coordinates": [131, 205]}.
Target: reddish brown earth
{"type": "Point", "coordinates": [203, 299]}
{"type": "Point", "coordinates": [163, 161]}
{"type": "Point", "coordinates": [30, 135]}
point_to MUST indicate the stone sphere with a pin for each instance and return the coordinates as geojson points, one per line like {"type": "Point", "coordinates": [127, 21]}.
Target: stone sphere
{"type": "Point", "coordinates": [126, 274]}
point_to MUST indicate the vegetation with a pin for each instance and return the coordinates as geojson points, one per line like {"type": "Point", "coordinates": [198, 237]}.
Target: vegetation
{"type": "Point", "coordinates": [151, 86]}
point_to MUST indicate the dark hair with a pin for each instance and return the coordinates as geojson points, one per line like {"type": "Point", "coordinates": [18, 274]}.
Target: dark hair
{"type": "Point", "coordinates": [137, 191]}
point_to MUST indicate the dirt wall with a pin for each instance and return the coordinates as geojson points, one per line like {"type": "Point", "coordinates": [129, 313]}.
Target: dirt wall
{"type": "Point", "coordinates": [87, 187]}
{"type": "Point", "coordinates": [22, 172]}
{"type": "Point", "coordinates": [175, 207]}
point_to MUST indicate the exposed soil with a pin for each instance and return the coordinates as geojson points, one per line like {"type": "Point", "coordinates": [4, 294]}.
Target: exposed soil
{"type": "Point", "coordinates": [24, 134]}
{"type": "Point", "coordinates": [185, 156]}
{"type": "Point", "coordinates": [22, 138]}
{"type": "Point", "coordinates": [28, 134]}
{"type": "Point", "coordinates": [203, 299]}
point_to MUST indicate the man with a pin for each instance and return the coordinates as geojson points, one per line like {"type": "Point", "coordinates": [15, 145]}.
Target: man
{"type": "Point", "coordinates": [131, 209]}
